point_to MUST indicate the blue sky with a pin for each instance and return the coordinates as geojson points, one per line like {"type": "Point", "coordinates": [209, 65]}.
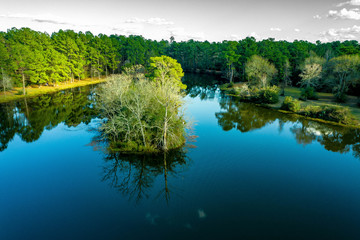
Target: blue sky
{"type": "Point", "coordinates": [325, 20]}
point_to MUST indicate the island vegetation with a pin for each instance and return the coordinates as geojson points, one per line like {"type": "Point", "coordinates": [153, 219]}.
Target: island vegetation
{"type": "Point", "coordinates": [142, 108]}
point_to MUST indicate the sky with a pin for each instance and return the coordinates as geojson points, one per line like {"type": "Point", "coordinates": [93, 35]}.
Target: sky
{"type": "Point", "coordinates": [312, 20]}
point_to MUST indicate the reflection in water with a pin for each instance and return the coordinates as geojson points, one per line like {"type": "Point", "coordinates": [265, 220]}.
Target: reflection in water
{"type": "Point", "coordinates": [204, 86]}
{"type": "Point", "coordinates": [9, 124]}
{"type": "Point", "coordinates": [134, 175]}
{"type": "Point", "coordinates": [30, 117]}
{"type": "Point", "coordinates": [246, 117]}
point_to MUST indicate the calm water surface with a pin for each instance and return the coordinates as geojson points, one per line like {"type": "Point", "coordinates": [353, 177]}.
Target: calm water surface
{"type": "Point", "coordinates": [252, 173]}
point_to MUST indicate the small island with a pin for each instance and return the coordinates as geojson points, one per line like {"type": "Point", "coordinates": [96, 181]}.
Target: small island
{"type": "Point", "coordinates": [141, 108]}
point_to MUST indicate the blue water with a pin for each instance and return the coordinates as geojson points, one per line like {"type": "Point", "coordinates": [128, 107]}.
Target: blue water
{"type": "Point", "coordinates": [253, 174]}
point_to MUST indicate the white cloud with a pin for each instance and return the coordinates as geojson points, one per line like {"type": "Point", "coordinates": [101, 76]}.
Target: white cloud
{"type": "Point", "coordinates": [234, 37]}
{"type": "Point", "coordinates": [351, 2]}
{"type": "Point", "coordinates": [342, 34]}
{"type": "Point", "coordinates": [135, 20]}
{"type": "Point", "coordinates": [42, 18]}
{"type": "Point", "coordinates": [317, 16]}
{"type": "Point", "coordinates": [159, 21]}
{"type": "Point", "coordinates": [353, 14]}
{"type": "Point", "coordinates": [297, 30]}
{"type": "Point", "coordinates": [180, 34]}
{"type": "Point", "coordinates": [255, 35]}
{"type": "Point", "coordinates": [153, 21]}
{"type": "Point", "coordinates": [275, 29]}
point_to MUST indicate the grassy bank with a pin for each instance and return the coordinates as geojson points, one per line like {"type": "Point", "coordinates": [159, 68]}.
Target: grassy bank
{"type": "Point", "coordinates": [325, 99]}
{"type": "Point", "coordinates": [33, 91]}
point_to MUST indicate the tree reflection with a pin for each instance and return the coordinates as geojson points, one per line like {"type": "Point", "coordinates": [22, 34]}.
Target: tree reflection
{"type": "Point", "coordinates": [202, 85]}
{"type": "Point", "coordinates": [30, 117]}
{"type": "Point", "coordinates": [247, 117]}
{"type": "Point", "coordinates": [8, 124]}
{"type": "Point", "coordinates": [135, 175]}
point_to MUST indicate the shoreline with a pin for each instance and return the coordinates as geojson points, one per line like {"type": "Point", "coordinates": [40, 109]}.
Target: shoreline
{"type": "Point", "coordinates": [269, 106]}
{"type": "Point", "coordinates": [37, 91]}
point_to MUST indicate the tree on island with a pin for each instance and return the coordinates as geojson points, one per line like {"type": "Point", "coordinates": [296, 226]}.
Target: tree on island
{"type": "Point", "coordinates": [144, 114]}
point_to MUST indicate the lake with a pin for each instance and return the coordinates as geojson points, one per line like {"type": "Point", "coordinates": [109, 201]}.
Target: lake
{"type": "Point", "coordinates": [251, 173]}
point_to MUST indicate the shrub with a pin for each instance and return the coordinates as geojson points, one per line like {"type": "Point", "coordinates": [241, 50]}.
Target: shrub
{"type": "Point", "coordinates": [233, 91]}
{"type": "Point", "coordinates": [224, 86]}
{"type": "Point", "coordinates": [308, 93]}
{"type": "Point", "coordinates": [263, 95]}
{"type": "Point", "coordinates": [20, 92]}
{"type": "Point", "coordinates": [244, 91]}
{"type": "Point", "coordinates": [340, 97]}
{"type": "Point", "coordinates": [268, 95]}
{"type": "Point", "coordinates": [291, 104]}
{"type": "Point", "coordinates": [331, 113]}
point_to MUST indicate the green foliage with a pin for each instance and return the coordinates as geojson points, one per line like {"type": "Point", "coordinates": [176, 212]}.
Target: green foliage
{"type": "Point", "coordinates": [259, 71]}
{"type": "Point", "coordinates": [331, 113]}
{"type": "Point", "coordinates": [227, 85]}
{"type": "Point", "coordinates": [143, 115]}
{"type": "Point", "coordinates": [5, 81]}
{"type": "Point", "coordinates": [345, 71]}
{"type": "Point", "coordinates": [231, 58]}
{"type": "Point", "coordinates": [268, 95]}
{"type": "Point", "coordinates": [166, 69]}
{"type": "Point", "coordinates": [310, 75]}
{"type": "Point", "coordinates": [340, 97]}
{"type": "Point", "coordinates": [233, 91]}
{"type": "Point", "coordinates": [33, 58]}
{"type": "Point", "coordinates": [291, 104]}
{"type": "Point", "coordinates": [308, 93]}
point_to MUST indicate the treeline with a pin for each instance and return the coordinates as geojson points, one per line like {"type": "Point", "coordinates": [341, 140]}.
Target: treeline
{"type": "Point", "coordinates": [216, 56]}
{"type": "Point", "coordinates": [29, 57]}
{"type": "Point", "coordinates": [230, 57]}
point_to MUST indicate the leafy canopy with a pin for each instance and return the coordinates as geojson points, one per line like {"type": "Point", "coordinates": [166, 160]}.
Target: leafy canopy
{"type": "Point", "coordinates": [259, 71]}
{"type": "Point", "coordinates": [166, 69]}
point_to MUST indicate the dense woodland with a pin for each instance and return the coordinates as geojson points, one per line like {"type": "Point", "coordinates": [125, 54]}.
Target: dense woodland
{"type": "Point", "coordinates": [29, 57]}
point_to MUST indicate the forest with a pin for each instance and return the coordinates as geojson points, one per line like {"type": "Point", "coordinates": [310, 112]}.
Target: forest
{"type": "Point", "coordinates": [29, 57]}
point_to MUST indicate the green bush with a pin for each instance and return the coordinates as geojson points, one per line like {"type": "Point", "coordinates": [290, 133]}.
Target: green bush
{"type": "Point", "coordinates": [233, 91]}
{"type": "Point", "coordinates": [331, 113]}
{"type": "Point", "coordinates": [268, 95]}
{"type": "Point", "coordinates": [308, 93]}
{"type": "Point", "coordinates": [20, 92]}
{"type": "Point", "coordinates": [340, 97]}
{"type": "Point", "coordinates": [244, 91]}
{"type": "Point", "coordinates": [224, 86]}
{"type": "Point", "coordinates": [263, 95]}
{"type": "Point", "coordinates": [291, 104]}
